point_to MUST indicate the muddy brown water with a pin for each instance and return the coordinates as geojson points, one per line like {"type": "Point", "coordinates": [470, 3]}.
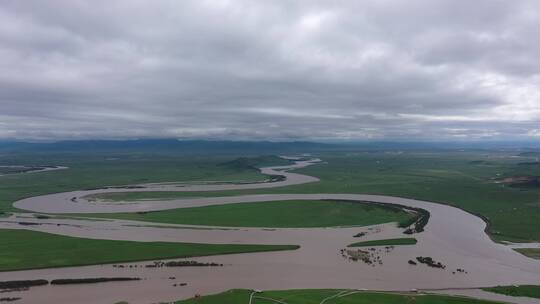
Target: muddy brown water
{"type": "Point", "coordinates": [454, 237]}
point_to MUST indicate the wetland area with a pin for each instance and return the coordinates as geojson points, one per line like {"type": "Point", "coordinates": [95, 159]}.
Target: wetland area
{"type": "Point", "coordinates": [297, 241]}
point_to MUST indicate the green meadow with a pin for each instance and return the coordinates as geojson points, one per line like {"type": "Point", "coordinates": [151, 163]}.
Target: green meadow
{"type": "Point", "coordinates": [466, 179]}
{"type": "Point", "coordinates": [99, 170]}
{"type": "Point", "coordinates": [22, 249]}
{"type": "Point", "coordinates": [531, 291]}
{"type": "Point", "coordinates": [315, 296]}
{"type": "Point", "coordinates": [292, 214]}
{"type": "Point", "coordinates": [463, 179]}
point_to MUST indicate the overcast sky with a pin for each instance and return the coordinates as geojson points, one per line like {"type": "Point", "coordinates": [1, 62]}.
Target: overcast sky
{"type": "Point", "coordinates": [277, 70]}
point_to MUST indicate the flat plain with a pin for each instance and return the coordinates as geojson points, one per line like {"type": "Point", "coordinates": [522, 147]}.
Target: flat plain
{"type": "Point", "coordinates": [498, 186]}
{"type": "Point", "coordinates": [276, 214]}
{"type": "Point", "coordinates": [317, 296]}
{"type": "Point", "coordinates": [467, 180]}
{"type": "Point", "coordinates": [22, 249]}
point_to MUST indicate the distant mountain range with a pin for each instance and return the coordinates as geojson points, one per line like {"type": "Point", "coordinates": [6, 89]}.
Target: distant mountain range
{"type": "Point", "coordinates": [160, 145]}
{"type": "Point", "coordinates": [211, 146]}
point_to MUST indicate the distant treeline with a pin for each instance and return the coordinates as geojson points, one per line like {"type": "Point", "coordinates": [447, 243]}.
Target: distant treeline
{"type": "Point", "coordinates": [243, 163]}
{"type": "Point", "coordinates": [31, 283]}
{"type": "Point", "coordinates": [167, 145]}
{"type": "Point", "coordinates": [22, 284]}
{"type": "Point", "coordinates": [257, 147]}
{"type": "Point", "coordinates": [91, 280]}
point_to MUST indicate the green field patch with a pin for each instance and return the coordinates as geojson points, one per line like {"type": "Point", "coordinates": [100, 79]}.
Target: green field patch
{"type": "Point", "coordinates": [256, 162]}
{"type": "Point", "coordinates": [97, 170]}
{"type": "Point", "coordinates": [153, 195]}
{"type": "Point", "coordinates": [531, 291]}
{"type": "Point", "coordinates": [316, 296]}
{"type": "Point", "coordinates": [512, 212]}
{"type": "Point", "coordinates": [22, 249]}
{"type": "Point", "coordinates": [530, 252]}
{"type": "Point", "coordinates": [387, 242]}
{"type": "Point", "coordinates": [275, 214]}
{"type": "Point", "coordinates": [461, 179]}
{"type": "Point", "coordinates": [437, 176]}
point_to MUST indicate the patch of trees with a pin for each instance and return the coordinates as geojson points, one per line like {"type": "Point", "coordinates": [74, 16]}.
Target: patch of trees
{"type": "Point", "coordinates": [276, 178]}
{"type": "Point", "coordinates": [159, 264]}
{"type": "Point", "coordinates": [419, 224]}
{"type": "Point", "coordinates": [91, 280]}
{"type": "Point", "coordinates": [9, 299]}
{"type": "Point", "coordinates": [430, 262]}
{"type": "Point", "coordinates": [28, 223]}
{"type": "Point", "coordinates": [22, 284]}
{"type": "Point", "coordinates": [189, 263]}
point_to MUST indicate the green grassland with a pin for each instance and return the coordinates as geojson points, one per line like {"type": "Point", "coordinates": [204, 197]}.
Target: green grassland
{"type": "Point", "coordinates": [293, 214]}
{"type": "Point", "coordinates": [112, 197]}
{"type": "Point", "coordinates": [530, 252]}
{"type": "Point", "coordinates": [95, 170]}
{"type": "Point", "coordinates": [241, 163]}
{"type": "Point", "coordinates": [463, 179]}
{"type": "Point", "coordinates": [22, 249]}
{"type": "Point", "coordinates": [315, 296]}
{"type": "Point", "coordinates": [531, 291]}
{"type": "Point", "coordinates": [387, 242]}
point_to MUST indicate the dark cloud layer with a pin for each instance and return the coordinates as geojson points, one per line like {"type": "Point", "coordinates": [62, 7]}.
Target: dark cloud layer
{"type": "Point", "coordinates": [421, 69]}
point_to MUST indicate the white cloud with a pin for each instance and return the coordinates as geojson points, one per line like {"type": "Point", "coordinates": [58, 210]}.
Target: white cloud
{"type": "Point", "coordinates": [270, 70]}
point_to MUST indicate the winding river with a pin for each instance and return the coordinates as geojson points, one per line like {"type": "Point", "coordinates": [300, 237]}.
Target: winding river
{"type": "Point", "coordinates": [452, 236]}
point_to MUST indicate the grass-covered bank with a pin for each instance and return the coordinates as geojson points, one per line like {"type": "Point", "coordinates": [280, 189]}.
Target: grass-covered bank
{"type": "Point", "coordinates": [115, 169]}
{"type": "Point", "coordinates": [291, 214]}
{"type": "Point", "coordinates": [315, 296]}
{"type": "Point", "coordinates": [22, 249]}
{"type": "Point", "coordinates": [467, 180]}
{"type": "Point", "coordinates": [464, 179]}
{"type": "Point", "coordinates": [112, 197]}
{"type": "Point", "coordinates": [531, 291]}
{"type": "Point", "coordinates": [530, 252]}
{"type": "Point", "coordinates": [387, 242]}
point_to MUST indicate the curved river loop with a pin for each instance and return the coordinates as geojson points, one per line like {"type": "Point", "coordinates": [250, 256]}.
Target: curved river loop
{"type": "Point", "coordinates": [452, 236]}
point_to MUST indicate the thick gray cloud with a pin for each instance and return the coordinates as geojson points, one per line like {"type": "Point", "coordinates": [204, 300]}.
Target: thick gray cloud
{"type": "Point", "coordinates": [421, 69]}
